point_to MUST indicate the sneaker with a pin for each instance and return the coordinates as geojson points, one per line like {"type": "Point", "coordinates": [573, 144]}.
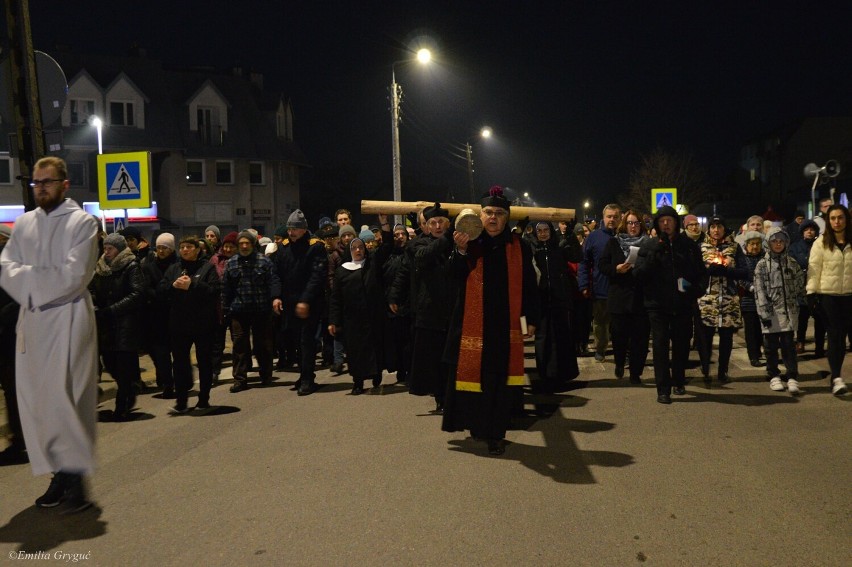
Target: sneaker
{"type": "Point", "coordinates": [599, 357]}
{"type": "Point", "coordinates": [793, 386]}
{"type": "Point", "coordinates": [680, 390]}
{"type": "Point", "coordinates": [239, 386]}
{"type": "Point", "coordinates": [75, 499]}
{"type": "Point", "coordinates": [838, 386]}
{"type": "Point", "coordinates": [181, 406]}
{"type": "Point", "coordinates": [776, 384]}
{"type": "Point", "coordinates": [202, 404]}
{"type": "Point", "coordinates": [53, 496]}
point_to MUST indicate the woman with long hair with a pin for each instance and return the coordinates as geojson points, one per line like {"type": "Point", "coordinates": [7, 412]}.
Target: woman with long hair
{"type": "Point", "coordinates": [829, 287]}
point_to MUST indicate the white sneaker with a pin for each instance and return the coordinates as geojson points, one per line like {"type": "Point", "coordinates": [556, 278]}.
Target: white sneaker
{"type": "Point", "coordinates": [793, 386]}
{"type": "Point", "coordinates": [838, 386]}
{"type": "Point", "coordinates": [776, 385]}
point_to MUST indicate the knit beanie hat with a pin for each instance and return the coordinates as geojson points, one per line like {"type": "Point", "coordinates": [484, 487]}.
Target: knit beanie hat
{"type": "Point", "coordinates": [324, 221]}
{"type": "Point", "coordinates": [215, 230]}
{"type": "Point", "coordinates": [248, 234]}
{"type": "Point", "coordinates": [349, 229]}
{"type": "Point", "coordinates": [689, 218]}
{"type": "Point", "coordinates": [116, 240]}
{"type": "Point", "coordinates": [281, 231]}
{"type": "Point", "coordinates": [167, 239]}
{"type": "Point", "coordinates": [230, 237]}
{"type": "Point", "coordinates": [367, 235]}
{"type": "Point", "coordinates": [752, 235]}
{"type": "Point", "coordinates": [297, 220]}
{"type": "Point", "coordinates": [578, 229]}
{"type": "Point", "coordinates": [495, 198]}
{"type": "Point", "coordinates": [132, 232]}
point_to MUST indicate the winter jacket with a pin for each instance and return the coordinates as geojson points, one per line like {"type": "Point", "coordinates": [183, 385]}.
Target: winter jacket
{"type": "Point", "coordinates": [197, 307]}
{"type": "Point", "coordinates": [247, 284]}
{"type": "Point", "coordinates": [397, 263]}
{"type": "Point", "coordinates": [302, 270]}
{"type": "Point", "coordinates": [625, 293]}
{"type": "Point", "coordinates": [589, 275]}
{"type": "Point", "coordinates": [778, 285]}
{"type": "Point", "coordinates": [830, 271]}
{"type": "Point", "coordinates": [551, 259]}
{"type": "Point", "coordinates": [118, 291]}
{"type": "Point", "coordinates": [434, 289]}
{"type": "Point", "coordinates": [746, 285]}
{"type": "Point", "coordinates": [720, 305]}
{"type": "Point", "coordinates": [671, 272]}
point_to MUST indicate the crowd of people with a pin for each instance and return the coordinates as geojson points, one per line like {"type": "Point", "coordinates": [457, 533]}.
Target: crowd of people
{"type": "Point", "coordinates": [444, 310]}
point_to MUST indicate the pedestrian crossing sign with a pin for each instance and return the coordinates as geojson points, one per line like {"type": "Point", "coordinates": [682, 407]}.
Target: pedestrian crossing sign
{"type": "Point", "coordinates": [123, 180]}
{"type": "Point", "coordinates": [663, 198]}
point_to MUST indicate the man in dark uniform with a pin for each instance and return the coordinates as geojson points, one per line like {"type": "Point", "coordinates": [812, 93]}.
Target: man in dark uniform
{"type": "Point", "coordinates": [302, 267]}
{"type": "Point", "coordinates": [485, 342]}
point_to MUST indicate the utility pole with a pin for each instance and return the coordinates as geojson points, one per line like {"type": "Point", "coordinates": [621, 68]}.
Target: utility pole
{"type": "Point", "coordinates": [470, 172]}
{"type": "Point", "coordinates": [24, 93]}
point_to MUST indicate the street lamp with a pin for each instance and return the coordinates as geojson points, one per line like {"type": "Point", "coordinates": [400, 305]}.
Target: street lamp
{"type": "Point", "coordinates": [485, 132]}
{"type": "Point", "coordinates": [98, 123]}
{"type": "Point", "coordinates": [423, 56]}
{"type": "Point", "coordinates": [586, 207]}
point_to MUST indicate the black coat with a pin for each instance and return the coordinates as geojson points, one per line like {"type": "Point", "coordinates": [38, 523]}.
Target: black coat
{"type": "Point", "coordinates": [358, 307]}
{"type": "Point", "coordinates": [398, 263]}
{"type": "Point", "coordinates": [555, 284]}
{"type": "Point", "coordinates": [119, 298]}
{"type": "Point", "coordinates": [661, 263]}
{"type": "Point", "coordinates": [625, 294]}
{"type": "Point", "coordinates": [302, 268]}
{"type": "Point", "coordinates": [196, 308]}
{"type": "Point", "coordinates": [156, 312]}
{"type": "Point", "coordinates": [434, 289]}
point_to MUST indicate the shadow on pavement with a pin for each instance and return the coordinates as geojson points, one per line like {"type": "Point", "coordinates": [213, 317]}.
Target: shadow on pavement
{"type": "Point", "coordinates": [35, 529]}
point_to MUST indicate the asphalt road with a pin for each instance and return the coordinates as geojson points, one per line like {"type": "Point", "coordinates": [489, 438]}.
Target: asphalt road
{"type": "Point", "coordinates": [601, 475]}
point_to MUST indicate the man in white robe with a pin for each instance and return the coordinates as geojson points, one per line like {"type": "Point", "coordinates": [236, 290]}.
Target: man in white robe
{"type": "Point", "coordinates": [46, 267]}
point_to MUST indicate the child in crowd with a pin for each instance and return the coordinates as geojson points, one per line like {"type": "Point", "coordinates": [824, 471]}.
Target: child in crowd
{"type": "Point", "coordinates": [778, 284]}
{"type": "Point", "coordinates": [748, 257]}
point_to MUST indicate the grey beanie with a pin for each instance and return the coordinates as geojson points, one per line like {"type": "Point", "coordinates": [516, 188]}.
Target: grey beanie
{"type": "Point", "coordinates": [116, 241]}
{"type": "Point", "coordinates": [247, 234]}
{"type": "Point", "coordinates": [347, 229]}
{"type": "Point", "coordinates": [215, 230]}
{"type": "Point", "coordinates": [297, 220]}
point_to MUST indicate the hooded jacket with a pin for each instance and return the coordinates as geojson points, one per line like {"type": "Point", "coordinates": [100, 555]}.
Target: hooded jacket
{"type": "Point", "coordinates": [778, 285]}
{"type": "Point", "coordinates": [670, 271]}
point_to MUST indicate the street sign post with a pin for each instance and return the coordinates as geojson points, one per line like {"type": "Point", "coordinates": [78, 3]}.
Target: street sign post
{"type": "Point", "coordinates": [663, 198]}
{"type": "Point", "coordinates": [124, 180]}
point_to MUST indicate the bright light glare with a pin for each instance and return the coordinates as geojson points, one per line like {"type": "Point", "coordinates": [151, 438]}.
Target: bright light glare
{"type": "Point", "coordinates": [96, 122]}
{"type": "Point", "coordinates": [424, 55]}
{"type": "Point", "coordinates": [586, 205]}
{"type": "Point", "coordinates": [485, 132]}
{"type": "Point", "coordinates": [526, 195]}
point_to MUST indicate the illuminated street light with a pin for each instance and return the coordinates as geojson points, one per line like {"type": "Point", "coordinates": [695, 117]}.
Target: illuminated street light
{"type": "Point", "coordinates": [485, 132]}
{"type": "Point", "coordinates": [424, 56]}
{"type": "Point", "coordinates": [98, 123]}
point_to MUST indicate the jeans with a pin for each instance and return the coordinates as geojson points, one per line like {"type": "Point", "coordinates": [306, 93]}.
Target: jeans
{"type": "Point", "coordinates": [600, 322]}
{"type": "Point", "coordinates": [837, 310]}
{"type": "Point", "coordinates": [753, 334]}
{"type": "Point", "coordinates": [772, 342]}
{"type": "Point", "coordinates": [670, 333]}
{"type": "Point", "coordinates": [259, 326]}
{"type": "Point", "coordinates": [726, 345]}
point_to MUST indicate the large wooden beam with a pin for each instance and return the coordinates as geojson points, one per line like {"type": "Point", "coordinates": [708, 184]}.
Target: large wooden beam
{"type": "Point", "coordinates": [515, 212]}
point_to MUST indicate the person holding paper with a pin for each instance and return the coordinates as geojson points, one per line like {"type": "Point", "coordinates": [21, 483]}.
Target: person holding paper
{"type": "Point", "coordinates": [672, 276]}
{"type": "Point", "coordinates": [630, 325]}
{"type": "Point", "coordinates": [485, 347]}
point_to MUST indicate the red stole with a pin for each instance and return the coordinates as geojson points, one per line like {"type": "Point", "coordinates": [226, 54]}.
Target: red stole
{"type": "Point", "coordinates": [469, 374]}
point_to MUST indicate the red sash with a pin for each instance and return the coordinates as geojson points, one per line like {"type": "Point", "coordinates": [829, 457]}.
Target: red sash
{"type": "Point", "coordinates": [469, 374]}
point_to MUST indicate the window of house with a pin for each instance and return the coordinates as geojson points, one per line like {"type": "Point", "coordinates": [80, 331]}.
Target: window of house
{"type": "Point", "coordinates": [81, 110]}
{"type": "Point", "coordinates": [121, 113]}
{"type": "Point", "coordinates": [5, 171]}
{"type": "Point", "coordinates": [224, 172]}
{"type": "Point", "coordinates": [77, 173]}
{"type": "Point", "coordinates": [194, 171]}
{"type": "Point", "coordinates": [256, 172]}
{"type": "Point", "coordinates": [209, 125]}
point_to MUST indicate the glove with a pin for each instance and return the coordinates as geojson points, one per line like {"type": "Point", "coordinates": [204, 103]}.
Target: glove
{"type": "Point", "coordinates": [767, 323]}
{"type": "Point", "coordinates": [812, 300]}
{"type": "Point", "coordinates": [717, 270]}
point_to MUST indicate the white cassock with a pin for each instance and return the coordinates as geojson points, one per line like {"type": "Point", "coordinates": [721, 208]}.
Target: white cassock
{"type": "Point", "coordinates": [46, 267]}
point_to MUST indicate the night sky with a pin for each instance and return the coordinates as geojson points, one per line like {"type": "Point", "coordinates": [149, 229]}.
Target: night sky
{"type": "Point", "coordinates": [576, 92]}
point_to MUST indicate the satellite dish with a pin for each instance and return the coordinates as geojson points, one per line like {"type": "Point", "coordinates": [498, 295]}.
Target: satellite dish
{"type": "Point", "coordinates": [52, 88]}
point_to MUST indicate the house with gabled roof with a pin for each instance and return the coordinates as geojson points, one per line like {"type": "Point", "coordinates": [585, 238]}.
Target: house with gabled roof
{"type": "Point", "coordinates": [222, 148]}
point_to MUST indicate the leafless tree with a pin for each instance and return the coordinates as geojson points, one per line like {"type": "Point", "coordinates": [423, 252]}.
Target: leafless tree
{"type": "Point", "coordinates": [664, 169]}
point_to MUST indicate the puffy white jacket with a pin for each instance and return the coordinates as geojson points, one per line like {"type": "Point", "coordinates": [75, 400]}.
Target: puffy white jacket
{"type": "Point", "coordinates": [830, 271]}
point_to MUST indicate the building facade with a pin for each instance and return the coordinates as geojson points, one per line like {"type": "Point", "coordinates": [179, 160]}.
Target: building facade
{"type": "Point", "coordinates": [222, 148]}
